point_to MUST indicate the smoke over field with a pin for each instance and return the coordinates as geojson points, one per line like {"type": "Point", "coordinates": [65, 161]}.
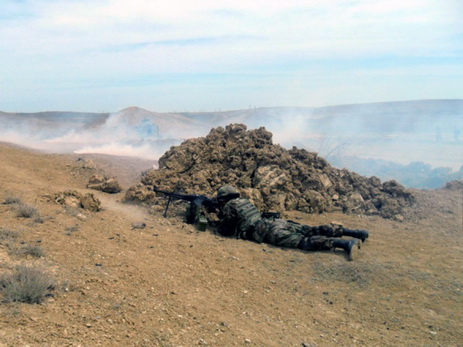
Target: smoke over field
{"type": "Point", "coordinates": [419, 143]}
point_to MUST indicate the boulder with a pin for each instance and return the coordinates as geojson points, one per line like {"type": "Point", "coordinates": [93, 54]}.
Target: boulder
{"type": "Point", "coordinates": [104, 183]}
{"type": "Point", "coordinates": [74, 199]}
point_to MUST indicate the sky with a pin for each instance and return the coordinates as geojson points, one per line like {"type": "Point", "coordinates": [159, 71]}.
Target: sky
{"type": "Point", "coordinates": [198, 55]}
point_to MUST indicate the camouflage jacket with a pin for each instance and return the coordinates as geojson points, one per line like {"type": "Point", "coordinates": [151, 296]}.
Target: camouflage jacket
{"type": "Point", "coordinates": [237, 217]}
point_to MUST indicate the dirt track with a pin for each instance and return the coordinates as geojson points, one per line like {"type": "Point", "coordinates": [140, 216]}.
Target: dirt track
{"type": "Point", "coordinates": [169, 285]}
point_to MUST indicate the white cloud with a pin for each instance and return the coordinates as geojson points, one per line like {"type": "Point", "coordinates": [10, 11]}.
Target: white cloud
{"type": "Point", "coordinates": [73, 26]}
{"type": "Point", "coordinates": [77, 43]}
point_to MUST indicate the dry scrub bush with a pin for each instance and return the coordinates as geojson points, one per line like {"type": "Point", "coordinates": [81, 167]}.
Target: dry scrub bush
{"type": "Point", "coordinates": [38, 219]}
{"type": "Point", "coordinates": [32, 250]}
{"type": "Point", "coordinates": [8, 237]}
{"type": "Point", "coordinates": [12, 200]}
{"type": "Point", "coordinates": [7, 234]}
{"type": "Point", "coordinates": [23, 210]}
{"type": "Point", "coordinates": [27, 211]}
{"type": "Point", "coordinates": [27, 284]}
{"type": "Point", "coordinates": [73, 228]}
{"type": "Point", "coordinates": [70, 230]}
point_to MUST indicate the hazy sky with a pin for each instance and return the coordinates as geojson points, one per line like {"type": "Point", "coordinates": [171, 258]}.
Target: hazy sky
{"type": "Point", "coordinates": [177, 55]}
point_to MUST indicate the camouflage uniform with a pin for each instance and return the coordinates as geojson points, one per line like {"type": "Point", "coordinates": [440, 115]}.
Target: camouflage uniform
{"type": "Point", "coordinates": [241, 219]}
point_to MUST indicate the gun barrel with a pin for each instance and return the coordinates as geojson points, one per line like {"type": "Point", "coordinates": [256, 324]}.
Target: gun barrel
{"type": "Point", "coordinates": [177, 196]}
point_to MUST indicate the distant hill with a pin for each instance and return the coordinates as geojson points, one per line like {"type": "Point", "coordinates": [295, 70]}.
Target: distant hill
{"type": "Point", "coordinates": [384, 118]}
{"type": "Point", "coordinates": [44, 121]}
{"type": "Point", "coordinates": [428, 131]}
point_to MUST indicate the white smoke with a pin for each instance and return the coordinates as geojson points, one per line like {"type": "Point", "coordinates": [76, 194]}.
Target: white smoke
{"type": "Point", "coordinates": [145, 151]}
{"type": "Point", "coordinates": [428, 131]}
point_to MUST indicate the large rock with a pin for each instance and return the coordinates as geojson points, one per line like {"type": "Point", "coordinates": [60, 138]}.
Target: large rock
{"type": "Point", "coordinates": [139, 193]}
{"type": "Point", "coordinates": [72, 198]}
{"type": "Point", "coordinates": [454, 185]}
{"type": "Point", "coordinates": [104, 183]}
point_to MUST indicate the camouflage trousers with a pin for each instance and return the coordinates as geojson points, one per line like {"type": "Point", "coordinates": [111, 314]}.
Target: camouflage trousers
{"type": "Point", "coordinates": [283, 233]}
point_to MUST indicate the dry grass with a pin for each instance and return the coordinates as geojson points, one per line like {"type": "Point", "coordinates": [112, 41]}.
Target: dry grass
{"type": "Point", "coordinates": [8, 235]}
{"type": "Point", "coordinates": [12, 200]}
{"type": "Point", "coordinates": [30, 250]}
{"type": "Point", "coordinates": [26, 211]}
{"type": "Point", "coordinates": [70, 230]}
{"type": "Point", "coordinates": [27, 284]}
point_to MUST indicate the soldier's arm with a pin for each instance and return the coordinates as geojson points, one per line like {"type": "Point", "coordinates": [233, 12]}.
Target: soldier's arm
{"type": "Point", "coordinates": [228, 221]}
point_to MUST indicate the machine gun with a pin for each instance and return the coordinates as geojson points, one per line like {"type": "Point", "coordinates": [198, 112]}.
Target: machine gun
{"type": "Point", "coordinates": [194, 214]}
{"type": "Point", "coordinates": [271, 215]}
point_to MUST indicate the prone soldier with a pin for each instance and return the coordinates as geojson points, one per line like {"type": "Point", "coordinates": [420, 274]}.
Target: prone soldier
{"type": "Point", "coordinates": [241, 219]}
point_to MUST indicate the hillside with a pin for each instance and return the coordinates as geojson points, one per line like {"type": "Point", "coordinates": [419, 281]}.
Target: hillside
{"type": "Point", "coordinates": [169, 285]}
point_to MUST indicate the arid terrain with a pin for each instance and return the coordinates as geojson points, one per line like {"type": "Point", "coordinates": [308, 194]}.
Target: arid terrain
{"type": "Point", "coordinates": [117, 283]}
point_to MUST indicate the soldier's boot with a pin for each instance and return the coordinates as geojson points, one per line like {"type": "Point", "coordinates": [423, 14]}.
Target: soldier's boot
{"type": "Point", "coordinates": [358, 234]}
{"type": "Point", "coordinates": [351, 247]}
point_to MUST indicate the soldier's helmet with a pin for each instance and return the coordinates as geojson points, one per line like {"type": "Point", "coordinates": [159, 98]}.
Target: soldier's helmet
{"type": "Point", "coordinates": [227, 192]}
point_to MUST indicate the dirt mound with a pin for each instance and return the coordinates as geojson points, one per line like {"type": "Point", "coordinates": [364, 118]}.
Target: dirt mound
{"type": "Point", "coordinates": [273, 177]}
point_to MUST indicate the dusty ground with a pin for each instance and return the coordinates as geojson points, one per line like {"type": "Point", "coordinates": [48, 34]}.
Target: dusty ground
{"type": "Point", "coordinates": [169, 285]}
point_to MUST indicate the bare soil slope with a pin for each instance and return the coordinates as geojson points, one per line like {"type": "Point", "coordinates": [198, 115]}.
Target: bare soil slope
{"type": "Point", "coordinates": [169, 285]}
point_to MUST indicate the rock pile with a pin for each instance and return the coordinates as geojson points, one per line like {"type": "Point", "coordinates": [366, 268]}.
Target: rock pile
{"type": "Point", "coordinates": [271, 176]}
{"type": "Point", "coordinates": [72, 198]}
{"type": "Point", "coordinates": [454, 185]}
{"type": "Point", "coordinates": [104, 183]}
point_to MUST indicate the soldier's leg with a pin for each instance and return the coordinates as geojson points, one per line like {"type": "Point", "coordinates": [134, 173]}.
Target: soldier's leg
{"type": "Point", "coordinates": [334, 230]}
{"type": "Point", "coordinates": [321, 230]}
{"type": "Point", "coordinates": [315, 243]}
{"type": "Point", "coordinates": [308, 230]}
{"type": "Point", "coordinates": [280, 233]}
